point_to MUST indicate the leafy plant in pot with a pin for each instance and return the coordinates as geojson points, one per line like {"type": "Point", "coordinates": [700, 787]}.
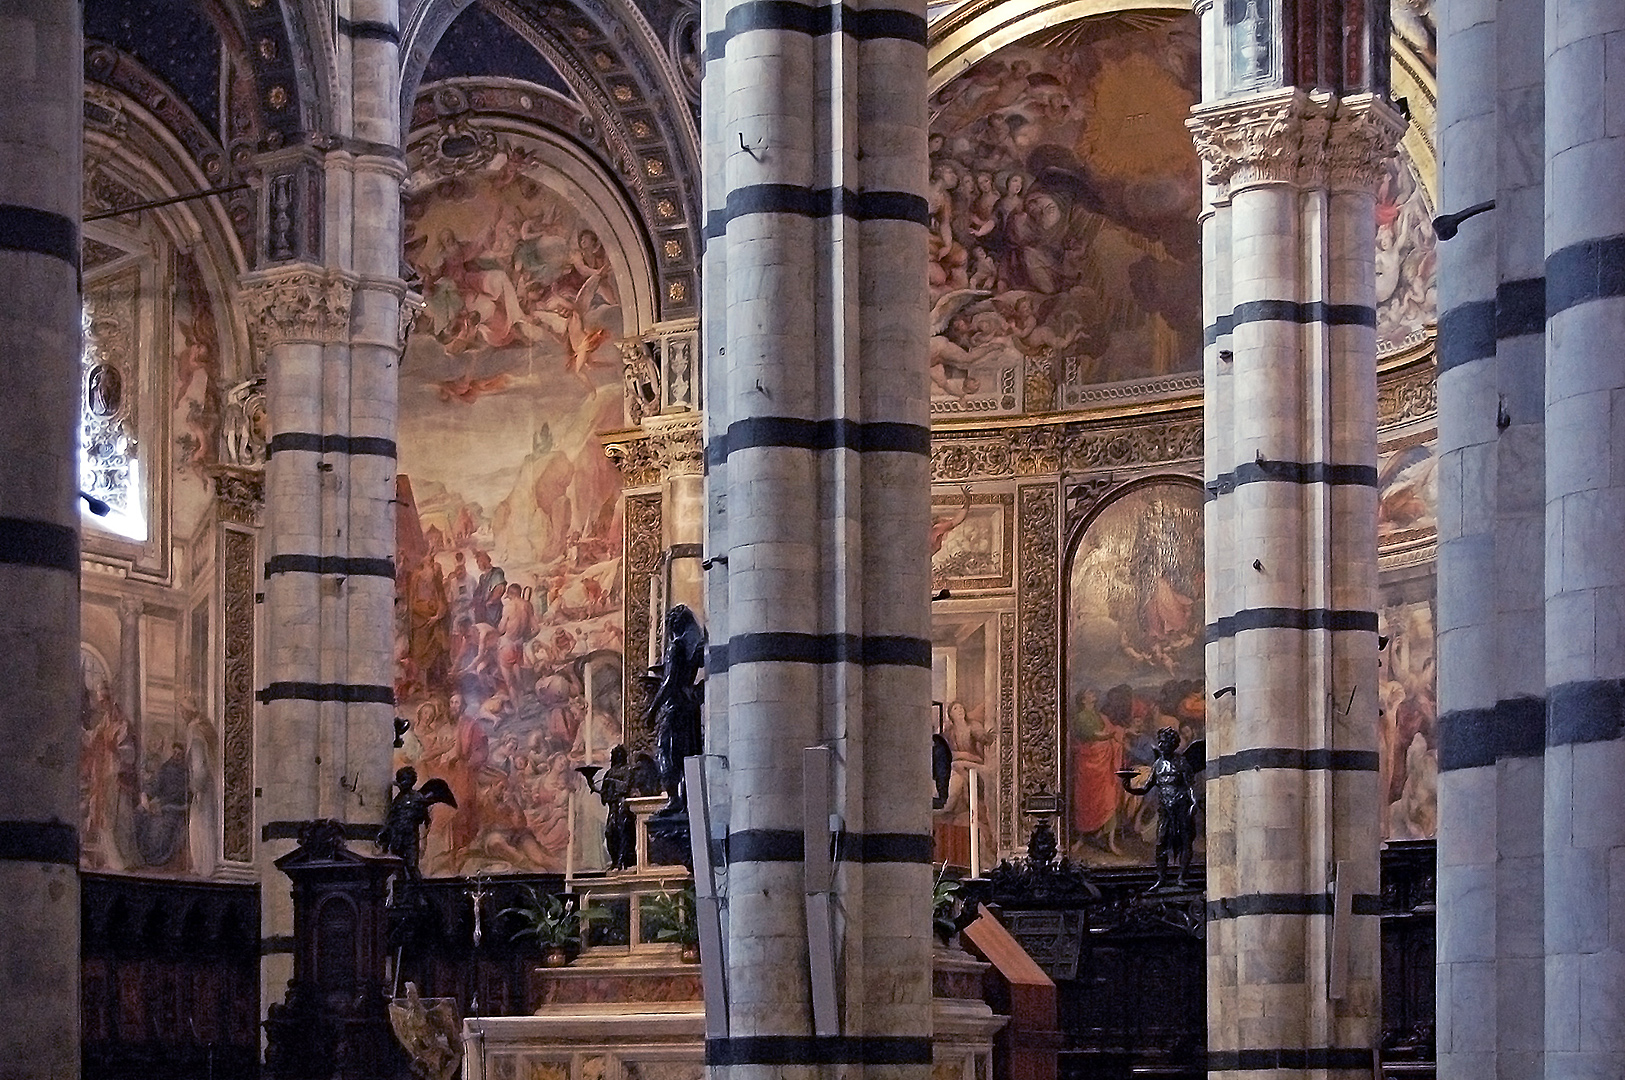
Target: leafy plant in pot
{"type": "Point", "coordinates": [556, 922]}
{"type": "Point", "coordinates": [946, 906]}
{"type": "Point", "coordinates": [672, 914]}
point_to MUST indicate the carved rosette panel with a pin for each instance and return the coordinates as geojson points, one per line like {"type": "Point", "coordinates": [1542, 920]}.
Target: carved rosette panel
{"type": "Point", "coordinates": [1038, 649]}
{"type": "Point", "coordinates": [1007, 728]}
{"type": "Point", "coordinates": [965, 459]}
{"type": "Point", "coordinates": [1412, 395]}
{"type": "Point", "coordinates": [237, 694]}
{"type": "Point", "coordinates": [296, 304]}
{"type": "Point", "coordinates": [643, 550]}
{"type": "Point", "coordinates": [1070, 447]}
{"type": "Point", "coordinates": [1130, 447]}
{"type": "Point", "coordinates": [1294, 136]}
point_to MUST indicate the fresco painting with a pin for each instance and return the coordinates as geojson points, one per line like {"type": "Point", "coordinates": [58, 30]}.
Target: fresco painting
{"type": "Point", "coordinates": [1408, 742]}
{"type": "Point", "coordinates": [1407, 490]}
{"type": "Point", "coordinates": [509, 519]}
{"type": "Point", "coordinates": [1407, 266]}
{"type": "Point", "coordinates": [971, 541]}
{"type": "Point", "coordinates": [964, 678]}
{"type": "Point", "coordinates": [1063, 201]}
{"type": "Point", "coordinates": [1134, 638]}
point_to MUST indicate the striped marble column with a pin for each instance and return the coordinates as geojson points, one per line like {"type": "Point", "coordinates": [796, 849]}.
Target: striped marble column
{"type": "Point", "coordinates": [1491, 532]}
{"type": "Point", "coordinates": [817, 452]}
{"type": "Point", "coordinates": [1585, 562]}
{"type": "Point", "coordinates": [1293, 982]}
{"type": "Point", "coordinates": [330, 325]}
{"type": "Point", "coordinates": [40, 52]}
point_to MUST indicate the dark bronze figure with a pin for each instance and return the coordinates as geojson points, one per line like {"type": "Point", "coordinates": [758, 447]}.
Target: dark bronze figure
{"type": "Point", "coordinates": [675, 709]}
{"type": "Point", "coordinates": [409, 814]}
{"type": "Point", "coordinates": [620, 826]}
{"type": "Point", "coordinates": [1173, 778]}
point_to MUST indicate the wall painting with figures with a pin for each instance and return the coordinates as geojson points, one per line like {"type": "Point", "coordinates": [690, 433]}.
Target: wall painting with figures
{"type": "Point", "coordinates": [509, 530]}
{"type": "Point", "coordinates": [1134, 620]}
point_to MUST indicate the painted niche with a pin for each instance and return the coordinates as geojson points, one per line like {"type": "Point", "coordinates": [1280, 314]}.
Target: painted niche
{"type": "Point", "coordinates": [1064, 195]}
{"type": "Point", "coordinates": [509, 529]}
{"type": "Point", "coordinates": [1134, 659]}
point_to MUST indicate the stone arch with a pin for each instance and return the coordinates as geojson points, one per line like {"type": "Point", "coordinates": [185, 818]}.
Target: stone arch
{"type": "Point", "coordinates": [632, 98]}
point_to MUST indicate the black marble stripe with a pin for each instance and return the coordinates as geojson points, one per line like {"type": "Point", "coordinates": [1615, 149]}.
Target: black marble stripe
{"type": "Point", "coordinates": [1591, 710]}
{"type": "Point", "coordinates": [793, 648]}
{"type": "Point", "coordinates": [344, 566]}
{"type": "Point", "coordinates": [872, 437]}
{"type": "Point", "coordinates": [1315, 311]}
{"type": "Point", "coordinates": [1250, 904]}
{"type": "Point", "coordinates": [290, 830]}
{"type": "Point", "coordinates": [277, 944]}
{"type": "Point", "coordinates": [818, 1050]}
{"type": "Point", "coordinates": [788, 845]}
{"type": "Point", "coordinates": [1285, 757]}
{"type": "Point", "coordinates": [40, 842]}
{"type": "Point", "coordinates": [1282, 618]}
{"type": "Point", "coordinates": [817, 203]}
{"type": "Point", "coordinates": [352, 693]}
{"type": "Point", "coordinates": [39, 232]}
{"type": "Point", "coordinates": [1520, 307]}
{"type": "Point", "coordinates": [1512, 727]}
{"type": "Point", "coordinates": [1361, 1058]}
{"type": "Point", "coordinates": [354, 445]}
{"type": "Point", "coordinates": [1292, 472]}
{"type": "Point", "coordinates": [372, 31]}
{"type": "Point", "coordinates": [1580, 273]}
{"type": "Point", "coordinates": [45, 544]}
{"type": "Point", "coordinates": [870, 24]}
{"type": "Point", "coordinates": [1466, 333]}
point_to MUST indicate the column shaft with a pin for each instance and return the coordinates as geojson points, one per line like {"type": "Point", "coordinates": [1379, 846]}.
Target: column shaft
{"type": "Point", "coordinates": [39, 537]}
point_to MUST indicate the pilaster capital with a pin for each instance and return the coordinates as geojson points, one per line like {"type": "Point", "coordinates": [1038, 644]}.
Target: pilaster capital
{"type": "Point", "coordinates": [677, 445]}
{"type": "Point", "coordinates": [1305, 138]}
{"type": "Point", "coordinates": [296, 303]}
{"type": "Point", "coordinates": [239, 493]}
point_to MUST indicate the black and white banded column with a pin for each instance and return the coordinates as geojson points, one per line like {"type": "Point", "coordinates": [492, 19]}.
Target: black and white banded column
{"type": "Point", "coordinates": [817, 449]}
{"type": "Point", "coordinates": [40, 119]}
{"type": "Point", "coordinates": [331, 325]}
{"type": "Point", "coordinates": [1491, 365]}
{"type": "Point", "coordinates": [1585, 557]}
{"type": "Point", "coordinates": [1294, 146]}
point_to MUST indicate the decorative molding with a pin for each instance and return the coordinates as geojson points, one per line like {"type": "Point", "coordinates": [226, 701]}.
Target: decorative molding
{"type": "Point", "coordinates": [237, 692]}
{"type": "Point", "coordinates": [1075, 446]}
{"type": "Point", "coordinates": [643, 562]}
{"type": "Point", "coordinates": [1037, 611]}
{"type": "Point", "coordinates": [1298, 137]}
{"type": "Point", "coordinates": [1410, 394]}
{"type": "Point", "coordinates": [298, 303]}
{"type": "Point", "coordinates": [1009, 809]}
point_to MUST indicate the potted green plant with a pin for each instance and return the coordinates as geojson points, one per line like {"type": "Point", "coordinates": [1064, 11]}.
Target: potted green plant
{"type": "Point", "coordinates": [672, 915]}
{"type": "Point", "coordinates": [556, 922]}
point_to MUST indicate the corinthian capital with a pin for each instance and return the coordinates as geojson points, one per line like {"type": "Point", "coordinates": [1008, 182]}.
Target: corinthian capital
{"type": "Point", "coordinates": [1299, 137]}
{"type": "Point", "coordinates": [676, 443]}
{"type": "Point", "coordinates": [301, 303]}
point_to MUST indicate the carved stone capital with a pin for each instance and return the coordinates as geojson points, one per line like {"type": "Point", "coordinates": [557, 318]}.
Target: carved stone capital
{"type": "Point", "coordinates": [676, 440]}
{"type": "Point", "coordinates": [301, 303]}
{"type": "Point", "coordinates": [411, 304]}
{"type": "Point", "coordinates": [634, 457]}
{"type": "Point", "coordinates": [239, 494]}
{"type": "Point", "coordinates": [1298, 137]}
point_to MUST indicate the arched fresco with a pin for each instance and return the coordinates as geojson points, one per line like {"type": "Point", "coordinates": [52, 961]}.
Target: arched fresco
{"type": "Point", "coordinates": [509, 538]}
{"type": "Point", "coordinates": [1134, 659]}
{"type": "Point", "coordinates": [1064, 194]}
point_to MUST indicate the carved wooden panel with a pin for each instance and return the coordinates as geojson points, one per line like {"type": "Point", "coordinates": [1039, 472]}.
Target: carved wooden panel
{"type": "Point", "coordinates": [237, 693]}
{"type": "Point", "coordinates": [643, 549]}
{"type": "Point", "coordinates": [1037, 598]}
